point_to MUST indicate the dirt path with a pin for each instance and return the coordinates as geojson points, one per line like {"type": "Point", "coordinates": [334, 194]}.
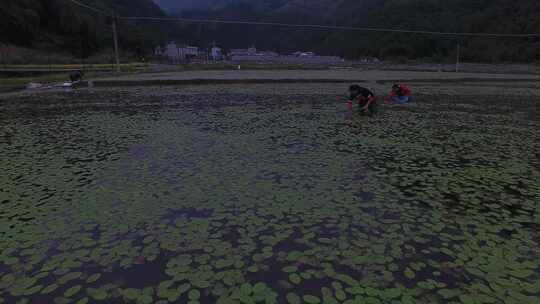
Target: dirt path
{"type": "Point", "coordinates": [315, 74]}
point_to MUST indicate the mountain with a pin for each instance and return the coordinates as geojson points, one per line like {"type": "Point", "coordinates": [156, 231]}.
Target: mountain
{"type": "Point", "coordinates": [175, 6]}
{"type": "Point", "coordinates": [311, 7]}
{"type": "Point", "coordinates": [63, 25]}
{"type": "Point", "coordinates": [500, 16]}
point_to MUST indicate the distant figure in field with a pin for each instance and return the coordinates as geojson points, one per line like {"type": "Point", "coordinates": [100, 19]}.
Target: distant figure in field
{"type": "Point", "coordinates": [366, 100]}
{"type": "Point", "coordinates": [400, 94]}
{"type": "Point", "coordinates": [76, 76]}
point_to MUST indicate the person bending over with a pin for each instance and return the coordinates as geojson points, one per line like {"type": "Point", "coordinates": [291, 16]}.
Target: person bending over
{"type": "Point", "coordinates": [366, 100]}
{"type": "Point", "coordinates": [400, 94]}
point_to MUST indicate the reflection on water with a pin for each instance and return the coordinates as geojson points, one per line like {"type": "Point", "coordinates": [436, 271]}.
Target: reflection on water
{"type": "Point", "coordinates": [267, 199]}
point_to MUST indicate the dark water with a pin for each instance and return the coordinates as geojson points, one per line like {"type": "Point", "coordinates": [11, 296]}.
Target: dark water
{"type": "Point", "coordinates": [212, 194]}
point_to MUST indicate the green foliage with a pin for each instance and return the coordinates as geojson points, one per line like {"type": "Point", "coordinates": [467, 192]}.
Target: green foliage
{"type": "Point", "coordinates": [435, 167]}
{"type": "Point", "coordinates": [59, 24]}
{"type": "Point", "coordinates": [498, 16]}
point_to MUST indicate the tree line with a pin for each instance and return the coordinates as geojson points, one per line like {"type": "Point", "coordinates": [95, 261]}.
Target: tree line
{"type": "Point", "coordinates": [60, 24]}
{"type": "Point", "coordinates": [64, 26]}
{"type": "Point", "coordinates": [473, 16]}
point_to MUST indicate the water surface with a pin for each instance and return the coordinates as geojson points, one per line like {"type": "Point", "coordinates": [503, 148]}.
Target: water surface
{"type": "Point", "coordinates": [250, 198]}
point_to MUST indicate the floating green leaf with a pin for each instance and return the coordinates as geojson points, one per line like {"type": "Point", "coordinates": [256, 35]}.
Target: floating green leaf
{"type": "Point", "coordinates": [93, 278]}
{"type": "Point", "coordinates": [97, 294]}
{"type": "Point", "coordinates": [293, 298]}
{"type": "Point", "coordinates": [448, 294]}
{"type": "Point", "coordinates": [259, 287]}
{"type": "Point", "coordinates": [409, 273]}
{"type": "Point", "coordinates": [290, 269]}
{"type": "Point", "coordinates": [49, 289]}
{"type": "Point", "coordinates": [69, 277]}
{"type": "Point", "coordinates": [72, 291]}
{"type": "Point", "coordinates": [310, 299]}
{"type": "Point", "coordinates": [246, 289]}
{"type": "Point", "coordinates": [145, 299]}
{"type": "Point", "coordinates": [340, 295]}
{"type": "Point", "coordinates": [131, 294]}
{"type": "Point", "coordinates": [83, 301]}
{"type": "Point", "coordinates": [194, 295]}
{"type": "Point", "coordinates": [33, 290]}
{"type": "Point", "coordinates": [295, 278]}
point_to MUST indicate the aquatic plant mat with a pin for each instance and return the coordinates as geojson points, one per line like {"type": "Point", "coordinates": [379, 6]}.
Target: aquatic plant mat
{"type": "Point", "coordinates": [121, 197]}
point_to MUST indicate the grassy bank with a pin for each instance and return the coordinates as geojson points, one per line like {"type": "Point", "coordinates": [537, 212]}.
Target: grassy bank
{"type": "Point", "coordinates": [16, 83]}
{"type": "Point", "coordinates": [68, 67]}
{"type": "Point", "coordinates": [21, 75]}
{"type": "Point", "coordinates": [249, 66]}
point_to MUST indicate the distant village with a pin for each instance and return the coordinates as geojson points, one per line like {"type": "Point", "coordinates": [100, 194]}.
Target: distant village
{"type": "Point", "coordinates": [178, 53]}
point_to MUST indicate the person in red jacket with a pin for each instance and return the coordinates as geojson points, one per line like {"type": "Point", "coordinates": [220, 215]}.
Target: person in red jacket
{"type": "Point", "coordinates": [400, 94]}
{"type": "Point", "coordinates": [365, 98]}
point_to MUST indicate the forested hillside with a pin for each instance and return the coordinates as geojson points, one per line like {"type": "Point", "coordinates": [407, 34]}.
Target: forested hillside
{"type": "Point", "coordinates": [314, 6]}
{"type": "Point", "coordinates": [494, 16]}
{"type": "Point", "coordinates": [473, 16]}
{"type": "Point", "coordinates": [62, 25]}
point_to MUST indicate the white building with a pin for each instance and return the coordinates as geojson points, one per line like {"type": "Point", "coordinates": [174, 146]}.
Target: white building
{"type": "Point", "coordinates": [238, 52]}
{"type": "Point", "coordinates": [303, 54]}
{"type": "Point", "coordinates": [216, 53]}
{"type": "Point", "coordinates": [252, 55]}
{"type": "Point", "coordinates": [252, 51]}
{"type": "Point", "coordinates": [188, 52]}
{"type": "Point", "coordinates": [175, 52]}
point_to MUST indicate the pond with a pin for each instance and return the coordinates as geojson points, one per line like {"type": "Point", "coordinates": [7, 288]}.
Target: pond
{"type": "Point", "coordinates": [246, 198]}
